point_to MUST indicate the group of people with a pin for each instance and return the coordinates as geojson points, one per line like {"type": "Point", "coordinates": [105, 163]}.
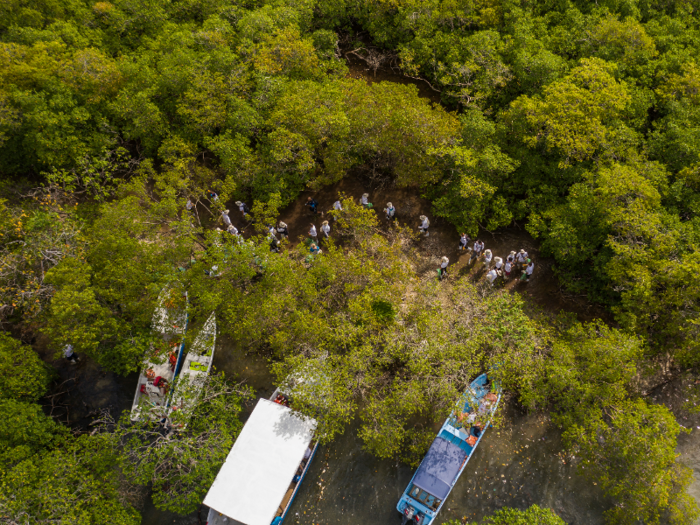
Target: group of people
{"type": "Point", "coordinates": [495, 266]}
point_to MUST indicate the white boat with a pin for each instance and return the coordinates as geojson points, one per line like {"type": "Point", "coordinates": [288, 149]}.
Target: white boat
{"type": "Point", "coordinates": [195, 369]}
{"type": "Point", "coordinates": [159, 371]}
{"type": "Point", "coordinates": [262, 473]}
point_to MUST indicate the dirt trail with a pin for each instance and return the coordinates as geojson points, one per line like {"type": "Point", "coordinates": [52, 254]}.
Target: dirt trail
{"type": "Point", "coordinates": [543, 289]}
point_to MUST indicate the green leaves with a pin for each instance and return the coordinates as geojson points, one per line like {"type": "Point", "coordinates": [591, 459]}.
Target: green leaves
{"type": "Point", "coordinates": [574, 114]}
{"type": "Point", "coordinates": [630, 450]}
{"type": "Point", "coordinates": [23, 375]}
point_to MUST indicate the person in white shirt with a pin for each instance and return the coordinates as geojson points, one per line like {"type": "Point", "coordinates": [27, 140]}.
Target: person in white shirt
{"type": "Point", "coordinates": [488, 256]}
{"type": "Point", "coordinates": [242, 207]}
{"type": "Point", "coordinates": [390, 211]}
{"type": "Point", "coordinates": [478, 246]}
{"type": "Point", "coordinates": [325, 228]}
{"type": "Point", "coordinates": [226, 218]}
{"type": "Point", "coordinates": [424, 225]}
{"type": "Point", "coordinates": [189, 205]}
{"type": "Point", "coordinates": [528, 271]}
{"type": "Point", "coordinates": [313, 234]}
{"type": "Point", "coordinates": [364, 200]}
{"type": "Point", "coordinates": [507, 268]}
{"type": "Point", "coordinates": [463, 241]}
{"type": "Point", "coordinates": [283, 230]}
{"type": "Point", "coordinates": [444, 263]}
{"type": "Point", "coordinates": [491, 276]}
{"type": "Point", "coordinates": [232, 229]}
{"type": "Point", "coordinates": [70, 355]}
{"type": "Point", "coordinates": [498, 263]}
{"type": "Point", "coordinates": [521, 257]}
{"type": "Point", "coordinates": [337, 207]}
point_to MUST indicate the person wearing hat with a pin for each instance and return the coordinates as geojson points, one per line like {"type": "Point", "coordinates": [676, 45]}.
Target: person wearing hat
{"type": "Point", "coordinates": [364, 200]}
{"type": "Point", "coordinates": [442, 272]}
{"type": "Point", "coordinates": [312, 204]}
{"type": "Point", "coordinates": [325, 228]}
{"type": "Point", "coordinates": [491, 276]}
{"type": "Point", "coordinates": [390, 211]}
{"type": "Point", "coordinates": [243, 208]}
{"type": "Point", "coordinates": [283, 230]}
{"type": "Point", "coordinates": [189, 205]}
{"type": "Point", "coordinates": [488, 256]}
{"type": "Point", "coordinates": [232, 230]}
{"type": "Point", "coordinates": [424, 225]}
{"type": "Point", "coordinates": [313, 233]}
{"type": "Point", "coordinates": [527, 272]}
{"type": "Point", "coordinates": [498, 264]}
{"type": "Point", "coordinates": [521, 257]}
{"type": "Point", "coordinates": [226, 218]}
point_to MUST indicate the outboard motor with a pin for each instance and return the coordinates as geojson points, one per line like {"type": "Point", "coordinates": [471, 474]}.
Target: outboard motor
{"type": "Point", "coordinates": [408, 514]}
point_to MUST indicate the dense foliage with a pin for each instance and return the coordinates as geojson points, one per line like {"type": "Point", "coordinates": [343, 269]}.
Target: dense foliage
{"type": "Point", "coordinates": [534, 515]}
{"type": "Point", "coordinates": [577, 119]}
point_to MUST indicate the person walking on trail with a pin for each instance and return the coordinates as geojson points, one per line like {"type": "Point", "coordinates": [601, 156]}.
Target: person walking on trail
{"type": "Point", "coordinates": [424, 225]}
{"type": "Point", "coordinates": [312, 204]}
{"type": "Point", "coordinates": [364, 200]}
{"type": "Point", "coordinates": [498, 264]}
{"type": "Point", "coordinates": [325, 229]}
{"type": "Point", "coordinates": [470, 251]}
{"type": "Point", "coordinates": [232, 230]}
{"type": "Point", "coordinates": [492, 276]}
{"type": "Point", "coordinates": [189, 205]}
{"type": "Point", "coordinates": [527, 272]}
{"type": "Point", "coordinates": [488, 256]}
{"type": "Point", "coordinates": [213, 196]}
{"type": "Point", "coordinates": [508, 267]}
{"type": "Point", "coordinates": [283, 230]}
{"type": "Point", "coordinates": [70, 355]}
{"type": "Point", "coordinates": [313, 233]}
{"type": "Point", "coordinates": [478, 247]}
{"type": "Point", "coordinates": [390, 211]}
{"type": "Point", "coordinates": [243, 208]}
{"type": "Point", "coordinates": [521, 257]}
{"type": "Point", "coordinates": [274, 245]}
{"type": "Point", "coordinates": [463, 241]}
{"type": "Point", "coordinates": [226, 218]}
{"type": "Point", "coordinates": [337, 207]}
{"type": "Point", "coordinates": [442, 272]}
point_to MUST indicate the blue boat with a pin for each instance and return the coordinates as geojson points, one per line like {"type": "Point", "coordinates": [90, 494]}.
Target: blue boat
{"type": "Point", "coordinates": [449, 453]}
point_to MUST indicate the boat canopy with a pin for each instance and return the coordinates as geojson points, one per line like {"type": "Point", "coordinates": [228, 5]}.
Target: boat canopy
{"type": "Point", "coordinates": [439, 467]}
{"type": "Point", "coordinates": [261, 465]}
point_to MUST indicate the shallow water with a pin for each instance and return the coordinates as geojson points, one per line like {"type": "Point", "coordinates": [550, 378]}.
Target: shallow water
{"type": "Point", "coordinates": [516, 465]}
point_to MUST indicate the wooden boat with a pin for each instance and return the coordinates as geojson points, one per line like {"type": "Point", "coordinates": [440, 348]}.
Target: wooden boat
{"type": "Point", "coordinates": [195, 369]}
{"type": "Point", "coordinates": [170, 321]}
{"type": "Point", "coordinates": [268, 462]}
{"type": "Point", "coordinates": [449, 453]}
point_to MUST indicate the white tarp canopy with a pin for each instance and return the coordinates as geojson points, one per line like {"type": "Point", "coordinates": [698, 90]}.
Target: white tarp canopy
{"type": "Point", "coordinates": [261, 465]}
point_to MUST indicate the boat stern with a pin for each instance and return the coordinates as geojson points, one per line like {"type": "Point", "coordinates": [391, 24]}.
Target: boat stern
{"type": "Point", "coordinates": [413, 512]}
